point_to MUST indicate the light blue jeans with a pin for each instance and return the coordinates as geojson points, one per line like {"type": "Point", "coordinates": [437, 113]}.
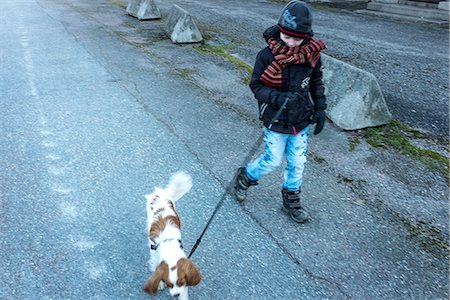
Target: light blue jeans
{"type": "Point", "coordinates": [276, 145]}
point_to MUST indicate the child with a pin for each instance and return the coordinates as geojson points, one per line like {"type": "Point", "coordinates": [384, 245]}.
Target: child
{"type": "Point", "coordinates": [287, 82]}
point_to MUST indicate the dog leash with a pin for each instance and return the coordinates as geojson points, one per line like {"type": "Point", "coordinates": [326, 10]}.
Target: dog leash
{"type": "Point", "coordinates": [229, 187]}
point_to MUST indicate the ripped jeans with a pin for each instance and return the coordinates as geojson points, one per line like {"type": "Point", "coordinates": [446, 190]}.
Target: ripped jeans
{"type": "Point", "coordinates": [275, 146]}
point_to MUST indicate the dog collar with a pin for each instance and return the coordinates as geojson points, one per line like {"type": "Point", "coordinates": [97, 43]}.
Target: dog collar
{"type": "Point", "coordinates": [155, 247]}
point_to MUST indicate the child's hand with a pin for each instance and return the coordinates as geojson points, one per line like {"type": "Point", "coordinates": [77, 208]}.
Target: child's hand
{"type": "Point", "coordinates": [275, 99]}
{"type": "Point", "coordinates": [318, 119]}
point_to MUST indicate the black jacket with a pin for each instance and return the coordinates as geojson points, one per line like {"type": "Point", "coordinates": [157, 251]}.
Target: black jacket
{"type": "Point", "coordinates": [299, 78]}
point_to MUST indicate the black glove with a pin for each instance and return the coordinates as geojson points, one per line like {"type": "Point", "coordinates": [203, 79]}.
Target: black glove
{"type": "Point", "coordinates": [277, 99]}
{"type": "Point", "coordinates": [318, 119]}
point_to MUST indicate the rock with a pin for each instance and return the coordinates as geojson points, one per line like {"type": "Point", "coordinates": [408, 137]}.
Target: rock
{"type": "Point", "coordinates": [354, 98]}
{"type": "Point", "coordinates": [181, 27]}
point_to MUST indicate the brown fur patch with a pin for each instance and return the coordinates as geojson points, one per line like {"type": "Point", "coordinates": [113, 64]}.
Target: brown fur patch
{"type": "Point", "coordinates": [159, 225]}
{"type": "Point", "coordinates": [174, 220]}
{"type": "Point", "coordinates": [161, 273]}
{"type": "Point", "coordinates": [188, 273]}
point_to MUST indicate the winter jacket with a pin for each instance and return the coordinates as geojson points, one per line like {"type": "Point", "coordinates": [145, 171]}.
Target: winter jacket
{"type": "Point", "coordinates": [298, 78]}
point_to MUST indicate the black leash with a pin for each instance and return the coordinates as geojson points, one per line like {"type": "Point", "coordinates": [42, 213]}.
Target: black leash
{"type": "Point", "coordinates": [228, 190]}
{"type": "Point", "coordinates": [229, 187]}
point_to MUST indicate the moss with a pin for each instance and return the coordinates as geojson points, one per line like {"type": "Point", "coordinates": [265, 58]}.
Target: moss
{"type": "Point", "coordinates": [317, 158]}
{"type": "Point", "coordinates": [185, 73]}
{"type": "Point", "coordinates": [353, 142]}
{"type": "Point", "coordinates": [221, 51]}
{"type": "Point", "coordinates": [430, 238]}
{"type": "Point", "coordinates": [246, 80]}
{"type": "Point", "coordinates": [138, 45]}
{"type": "Point", "coordinates": [395, 135]}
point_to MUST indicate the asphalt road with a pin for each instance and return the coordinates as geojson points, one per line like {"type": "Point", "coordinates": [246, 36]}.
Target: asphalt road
{"type": "Point", "coordinates": [91, 122]}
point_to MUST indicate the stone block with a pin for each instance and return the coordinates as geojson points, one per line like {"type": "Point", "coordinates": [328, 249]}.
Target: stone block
{"type": "Point", "coordinates": [148, 11]}
{"type": "Point", "coordinates": [143, 9]}
{"type": "Point", "coordinates": [133, 7]}
{"type": "Point", "coordinates": [181, 27]}
{"type": "Point", "coordinates": [354, 98]}
{"type": "Point", "coordinates": [444, 5]}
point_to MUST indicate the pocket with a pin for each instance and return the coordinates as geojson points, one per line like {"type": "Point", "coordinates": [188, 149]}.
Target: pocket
{"type": "Point", "coordinates": [267, 113]}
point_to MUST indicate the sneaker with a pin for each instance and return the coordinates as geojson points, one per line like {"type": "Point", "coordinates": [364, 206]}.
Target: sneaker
{"type": "Point", "coordinates": [241, 184]}
{"type": "Point", "coordinates": [291, 205]}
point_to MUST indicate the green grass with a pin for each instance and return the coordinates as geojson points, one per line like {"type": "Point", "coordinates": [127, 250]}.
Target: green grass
{"type": "Point", "coordinates": [395, 135]}
{"type": "Point", "coordinates": [221, 51]}
{"type": "Point", "coordinates": [353, 142]}
{"type": "Point", "coordinates": [430, 238]}
{"type": "Point", "coordinates": [185, 73]}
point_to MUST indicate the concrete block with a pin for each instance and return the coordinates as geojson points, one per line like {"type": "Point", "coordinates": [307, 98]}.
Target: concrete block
{"type": "Point", "coordinates": [143, 9]}
{"type": "Point", "coordinates": [354, 98]}
{"type": "Point", "coordinates": [133, 7]}
{"type": "Point", "coordinates": [148, 11]}
{"type": "Point", "coordinates": [410, 10]}
{"type": "Point", "coordinates": [444, 5]}
{"type": "Point", "coordinates": [181, 27]}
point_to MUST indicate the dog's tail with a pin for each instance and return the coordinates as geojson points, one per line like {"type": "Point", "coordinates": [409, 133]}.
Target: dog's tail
{"type": "Point", "coordinates": [179, 184]}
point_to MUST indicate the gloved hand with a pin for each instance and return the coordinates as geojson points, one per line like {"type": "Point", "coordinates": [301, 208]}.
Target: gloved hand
{"type": "Point", "coordinates": [277, 99]}
{"type": "Point", "coordinates": [318, 119]}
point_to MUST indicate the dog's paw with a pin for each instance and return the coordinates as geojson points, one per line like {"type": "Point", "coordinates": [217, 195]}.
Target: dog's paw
{"type": "Point", "coordinates": [161, 286]}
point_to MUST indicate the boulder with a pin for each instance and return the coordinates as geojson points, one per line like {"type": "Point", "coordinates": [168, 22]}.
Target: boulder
{"type": "Point", "coordinates": [181, 27]}
{"type": "Point", "coordinates": [143, 9]}
{"type": "Point", "coordinates": [354, 98]}
{"type": "Point", "coordinates": [133, 7]}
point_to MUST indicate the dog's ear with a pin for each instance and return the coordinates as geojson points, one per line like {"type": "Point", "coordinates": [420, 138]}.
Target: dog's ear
{"type": "Point", "coordinates": [188, 273]}
{"type": "Point", "coordinates": [161, 273]}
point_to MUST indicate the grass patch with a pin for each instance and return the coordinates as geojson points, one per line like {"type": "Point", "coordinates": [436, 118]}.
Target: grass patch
{"type": "Point", "coordinates": [353, 142]}
{"type": "Point", "coordinates": [185, 73]}
{"type": "Point", "coordinates": [221, 51]}
{"type": "Point", "coordinates": [317, 158]}
{"type": "Point", "coordinates": [395, 136]}
{"type": "Point", "coordinates": [430, 238]}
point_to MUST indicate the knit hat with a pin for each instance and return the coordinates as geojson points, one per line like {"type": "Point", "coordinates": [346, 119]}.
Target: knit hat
{"type": "Point", "coordinates": [295, 19]}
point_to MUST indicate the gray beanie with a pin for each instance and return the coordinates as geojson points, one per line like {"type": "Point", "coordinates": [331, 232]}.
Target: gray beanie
{"type": "Point", "coordinates": [295, 19]}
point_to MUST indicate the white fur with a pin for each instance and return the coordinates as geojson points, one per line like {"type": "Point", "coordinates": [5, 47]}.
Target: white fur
{"type": "Point", "coordinates": [169, 251]}
{"type": "Point", "coordinates": [179, 184]}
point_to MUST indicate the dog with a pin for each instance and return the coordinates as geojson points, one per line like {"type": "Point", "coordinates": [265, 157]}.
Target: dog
{"type": "Point", "coordinates": [168, 262]}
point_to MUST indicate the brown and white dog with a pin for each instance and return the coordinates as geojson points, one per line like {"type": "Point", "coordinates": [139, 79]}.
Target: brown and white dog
{"type": "Point", "coordinates": [168, 262]}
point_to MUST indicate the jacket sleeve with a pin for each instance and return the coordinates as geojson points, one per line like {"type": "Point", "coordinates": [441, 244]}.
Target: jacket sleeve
{"type": "Point", "coordinates": [261, 91]}
{"type": "Point", "coordinates": [317, 89]}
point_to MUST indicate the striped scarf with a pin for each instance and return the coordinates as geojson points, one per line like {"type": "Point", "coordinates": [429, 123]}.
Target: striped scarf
{"type": "Point", "coordinates": [284, 56]}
